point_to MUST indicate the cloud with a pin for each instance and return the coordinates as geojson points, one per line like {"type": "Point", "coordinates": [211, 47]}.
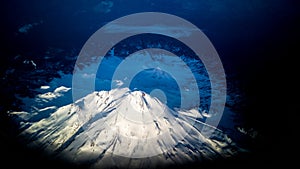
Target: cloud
{"type": "Point", "coordinates": [173, 31]}
{"type": "Point", "coordinates": [104, 6]}
{"type": "Point", "coordinates": [26, 28]}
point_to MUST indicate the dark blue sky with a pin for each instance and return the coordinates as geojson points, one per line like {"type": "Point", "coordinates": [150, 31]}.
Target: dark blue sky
{"type": "Point", "coordinates": [240, 30]}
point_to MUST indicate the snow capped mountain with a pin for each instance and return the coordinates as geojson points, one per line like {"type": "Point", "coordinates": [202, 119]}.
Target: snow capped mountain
{"type": "Point", "coordinates": [142, 111]}
{"type": "Point", "coordinates": [125, 129]}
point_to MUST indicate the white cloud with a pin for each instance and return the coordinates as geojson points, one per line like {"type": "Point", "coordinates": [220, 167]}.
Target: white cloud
{"type": "Point", "coordinates": [173, 31]}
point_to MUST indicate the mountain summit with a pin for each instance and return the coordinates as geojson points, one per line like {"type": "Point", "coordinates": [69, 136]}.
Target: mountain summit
{"type": "Point", "coordinates": [124, 128]}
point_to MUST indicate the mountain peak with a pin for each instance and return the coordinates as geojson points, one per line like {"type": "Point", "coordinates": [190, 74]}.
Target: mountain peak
{"type": "Point", "coordinates": [125, 123]}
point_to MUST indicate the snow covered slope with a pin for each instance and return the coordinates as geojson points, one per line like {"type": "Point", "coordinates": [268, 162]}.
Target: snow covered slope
{"type": "Point", "coordinates": [146, 118]}
{"type": "Point", "coordinates": [126, 129]}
